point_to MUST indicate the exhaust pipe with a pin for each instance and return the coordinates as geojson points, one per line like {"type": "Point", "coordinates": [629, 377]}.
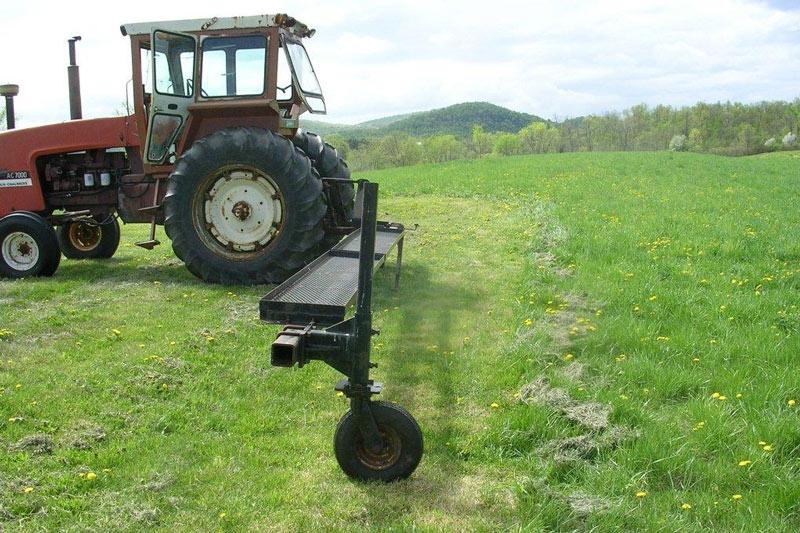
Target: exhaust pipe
{"type": "Point", "coordinates": [74, 81]}
{"type": "Point", "coordinates": [9, 91]}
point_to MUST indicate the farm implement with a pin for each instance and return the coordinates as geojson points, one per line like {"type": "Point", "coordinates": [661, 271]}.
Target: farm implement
{"type": "Point", "coordinates": [374, 440]}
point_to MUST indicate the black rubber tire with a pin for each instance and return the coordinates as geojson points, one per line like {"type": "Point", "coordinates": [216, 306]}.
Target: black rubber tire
{"type": "Point", "coordinates": [105, 248]}
{"type": "Point", "coordinates": [328, 164]}
{"type": "Point", "coordinates": [44, 237]}
{"type": "Point", "coordinates": [299, 186]}
{"type": "Point", "coordinates": [400, 432]}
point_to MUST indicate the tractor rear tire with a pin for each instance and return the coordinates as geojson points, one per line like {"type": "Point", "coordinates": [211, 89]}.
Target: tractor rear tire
{"type": "Point", "coordinates": [244, 206]}
{"type": "Point", "coordinates": [28, 246]}
{"type": "Point", "coordinates": [81, 240]}
{"type": "Point", "coordinates": [328, 164]}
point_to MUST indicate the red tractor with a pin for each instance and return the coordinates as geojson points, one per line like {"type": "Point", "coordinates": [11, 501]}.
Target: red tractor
{"type": "Point", "coordinates": [211, 149]}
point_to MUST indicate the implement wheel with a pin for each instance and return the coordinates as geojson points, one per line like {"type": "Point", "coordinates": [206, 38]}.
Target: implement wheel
{"type": "Point", "coordinates": [244, 206]}
{"type": "Point", "coordinates": [28, 246]}
{"type": "Point", "coordinates": [85, 240]}
{"type": "Point", "coordinates": [402, 440]}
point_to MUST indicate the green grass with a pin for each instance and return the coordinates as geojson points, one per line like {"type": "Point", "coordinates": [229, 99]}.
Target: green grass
{"type": "Point", "coordinates": [667, 277]}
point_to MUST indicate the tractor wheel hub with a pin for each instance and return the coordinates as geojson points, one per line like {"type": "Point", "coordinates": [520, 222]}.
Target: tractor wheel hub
{"type": "Point", "coordinates": [243, 210]}
{"type": "Point", "coordinates": [20, 251]}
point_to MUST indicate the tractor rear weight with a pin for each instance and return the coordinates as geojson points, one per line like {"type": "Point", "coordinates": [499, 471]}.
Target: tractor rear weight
{"type": "Point", "coordinates": [374, 440]}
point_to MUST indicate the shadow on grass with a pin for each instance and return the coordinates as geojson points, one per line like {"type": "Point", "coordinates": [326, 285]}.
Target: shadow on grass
{"type": "Point", "coordinates": [127, 269]}
{"type": "Point", "coordinates": [423, 376]}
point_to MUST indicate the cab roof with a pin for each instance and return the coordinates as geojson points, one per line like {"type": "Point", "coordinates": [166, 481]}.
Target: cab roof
{"type": "Point", "coordinates": [280, 20]}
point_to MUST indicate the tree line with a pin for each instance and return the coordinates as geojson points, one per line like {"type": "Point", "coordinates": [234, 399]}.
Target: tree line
{"type": "Point", "coordinates": [731, 129]}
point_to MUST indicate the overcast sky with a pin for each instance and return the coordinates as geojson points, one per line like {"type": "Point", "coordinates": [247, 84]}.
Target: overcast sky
{"type": "Point", "coordinates": [553, 59]}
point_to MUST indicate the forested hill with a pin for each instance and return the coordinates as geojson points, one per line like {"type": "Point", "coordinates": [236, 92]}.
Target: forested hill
{"type": "Point", "coordinates": [456, 120]}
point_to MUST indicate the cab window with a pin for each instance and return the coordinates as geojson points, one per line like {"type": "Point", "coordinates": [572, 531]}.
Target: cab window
{"type": "Point", "coordinates": [234, 66]}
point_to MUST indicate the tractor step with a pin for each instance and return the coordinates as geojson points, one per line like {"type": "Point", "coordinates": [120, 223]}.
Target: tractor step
{"type": "Point", "coordinates": [149, 245]}
{"type": "Point", "coordinates": [322, 290]}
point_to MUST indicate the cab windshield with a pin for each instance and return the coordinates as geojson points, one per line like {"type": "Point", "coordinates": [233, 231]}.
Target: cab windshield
{"type": "Point", "coordinates": [306, 77]}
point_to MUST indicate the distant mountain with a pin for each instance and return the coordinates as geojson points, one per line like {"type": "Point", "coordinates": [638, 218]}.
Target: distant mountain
{"type": "Point", "coordinates": [455, 120]}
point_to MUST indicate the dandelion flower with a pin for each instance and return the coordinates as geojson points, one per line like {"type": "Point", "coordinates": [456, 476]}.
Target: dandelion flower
{"type": "Point", "coordinates": [222, 515]}
{"type": "Point", "coordinates": [767, 448]}
{"type": "Point", "coordinates": [494, 405]}
{"type": "Point", "coordinates": [340, 394]}
{"type": "Point", "coordinates": [528, 322]}
{"type": "Point", "coordinates": [745, 462]}
{"type": "Point", "coordinates": [568, 356]}
{"type": "Point", "coordinates": [91, 476]}
{"type": "Point", "coordinates": [762, 443]}
{"type": "Point", "coordinates": [738, 395]}
{"type": "Point", "coordinates": [722, 398]}
{"type": "Point", "coordinates": [641, 494]}
{"type": "Point", "coordinates": [653, 298]}
{"type": "Point", "coordinates": [686, 506]}
{"type": "Point", "coordinates": [28, 490]}
{"type": "Point", "coordinates": [116, 331]}
{"type": "Point", "coordinates": [737, 496]}
{"type": "Point", "coordinates": [791, 403]}
{"type": "Point", "coordinates": [715, 395]}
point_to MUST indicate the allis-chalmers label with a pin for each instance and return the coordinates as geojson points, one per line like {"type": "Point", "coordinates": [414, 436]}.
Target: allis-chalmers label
{"type": "Point", "coordinates": [12, 178]}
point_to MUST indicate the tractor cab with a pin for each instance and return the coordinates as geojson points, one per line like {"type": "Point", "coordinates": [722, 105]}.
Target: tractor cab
{"type": "Point", "coordinates": [192, 77]}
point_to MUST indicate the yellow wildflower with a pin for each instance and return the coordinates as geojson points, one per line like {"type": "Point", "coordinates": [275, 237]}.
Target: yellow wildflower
{"type": "Point", "coordinates": [737, 496]}
{"type": "Point", "coordinates": [568, 356]}
{"type": "Point", "coordinates": [745, 462]}
{"type": "Point", "coordinates": [641, 494]}
{"type": "Point", "coordinates": [791, 403]}
{"type": "Point", "coordinates": [28, 489]}
{"type": "Point", "coordinates": [494, 405]}
{"type": "Point", "coordinates": [686, 506]}
{"type": "Point", "coordinates": [91, 476]}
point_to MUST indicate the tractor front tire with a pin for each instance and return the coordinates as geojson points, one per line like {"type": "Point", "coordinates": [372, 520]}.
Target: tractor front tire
{"type": "Point", "coordinates": [402, 440]}
{"type": "Point", "coordinates": [84, 240]}
{"type": "Point", "coordinates": [244, 206]}
{"type": "Point", "coordinates": [28, 246]}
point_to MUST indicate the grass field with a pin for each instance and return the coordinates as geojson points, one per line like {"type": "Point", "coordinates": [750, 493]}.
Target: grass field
{"type": "Point", "coordinates": [589, 341]}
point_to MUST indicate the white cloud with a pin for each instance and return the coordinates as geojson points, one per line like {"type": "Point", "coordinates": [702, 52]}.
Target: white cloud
{"type": "Point", "coordinates": [378, 58]}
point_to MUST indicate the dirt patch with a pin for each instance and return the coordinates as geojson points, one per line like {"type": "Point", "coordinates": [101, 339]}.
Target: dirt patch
{"type": "Point", "coordinates": [592, 415]}
{"type": "Point", "coordinates": [84, 436]}
{"type": "Point", "coordinates": [583, 447]}
{"type": "Point", "coordinates": [158, 483]}
{"type": "Point", "coordinates": [35, 444]}
{"type": "Point", "coordinates": [573, 371]}
{"type": "Point", "coordinates": [583, 504]}
{"type": "Point", "coordinates": [539, 391]}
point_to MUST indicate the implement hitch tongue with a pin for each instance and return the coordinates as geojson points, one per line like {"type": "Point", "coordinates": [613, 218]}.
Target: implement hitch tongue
{"type": "Point", "coordinates": [374, 439]}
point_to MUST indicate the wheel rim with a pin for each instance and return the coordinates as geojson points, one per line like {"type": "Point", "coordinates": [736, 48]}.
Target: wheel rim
{"type": "Point", "coordinates": [20, 251]}
{"type": "Point", "coordinates": [85, 237]}
{"type": "Point", "coordinates": [384, 459]}
{"type": "Point", "coordinates": [241, 212]}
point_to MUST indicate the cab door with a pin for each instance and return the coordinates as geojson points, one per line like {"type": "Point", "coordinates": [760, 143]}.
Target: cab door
{"type": "Point", "coordinates": [173, 72]}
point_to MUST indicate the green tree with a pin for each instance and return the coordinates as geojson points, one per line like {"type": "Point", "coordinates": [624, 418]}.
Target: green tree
{"type": "Point", "coordinates": [508, 144]}
{"type": "Point", "coordinates": [441, 148]}
{"type": "Point", "coordinates": [482, 142]}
